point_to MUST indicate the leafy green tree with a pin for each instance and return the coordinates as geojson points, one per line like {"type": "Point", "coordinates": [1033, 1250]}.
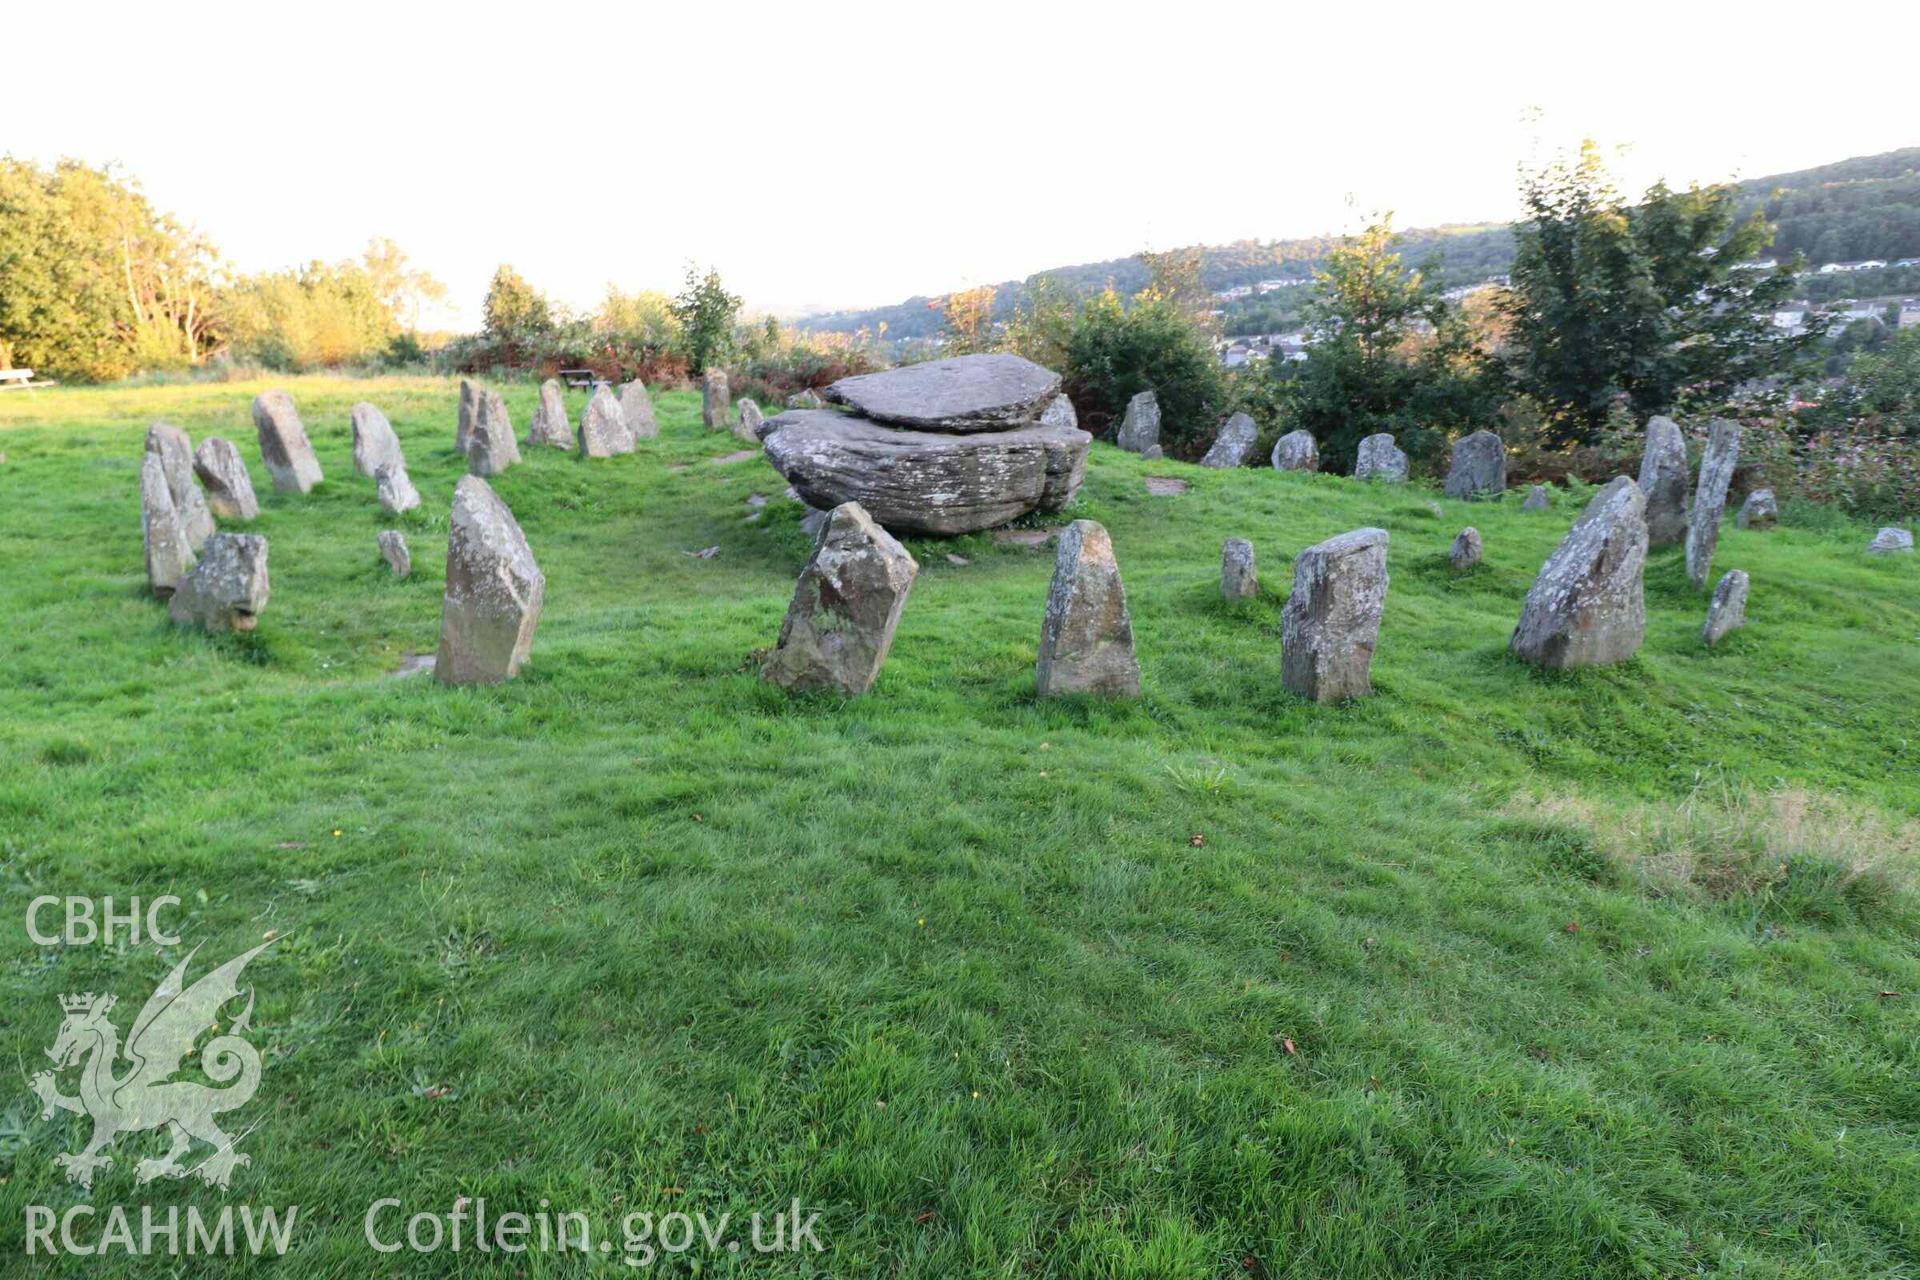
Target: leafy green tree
{"type": "Point", "coordinates": [1645, 304]}
{"type": "Point", "coordinates": [514, 309]}
{"type": "Point", "coordinates": [1884, 387]}
{"type": "Point", "coordinates": [706, 313]}
{"type": "Point", "coordinates": [319, 316]}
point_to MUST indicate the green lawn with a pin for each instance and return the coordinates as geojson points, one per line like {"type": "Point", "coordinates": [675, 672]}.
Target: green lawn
{"type": "Point", "coordinates": [1494, 974]}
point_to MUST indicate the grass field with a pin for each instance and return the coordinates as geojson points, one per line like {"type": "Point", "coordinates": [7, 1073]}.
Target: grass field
{"type": "Point", "coordinates": [1494, 974]}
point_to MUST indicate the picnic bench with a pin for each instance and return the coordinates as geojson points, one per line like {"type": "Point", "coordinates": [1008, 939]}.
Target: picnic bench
{"type": "Point", "coordinates": [13, 379]}
{"type": "Point", "coordinates": [584, 378]}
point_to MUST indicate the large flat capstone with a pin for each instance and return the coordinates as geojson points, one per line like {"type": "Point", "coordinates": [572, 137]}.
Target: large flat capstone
{"type": "Point", "coordinates": [961, 394]}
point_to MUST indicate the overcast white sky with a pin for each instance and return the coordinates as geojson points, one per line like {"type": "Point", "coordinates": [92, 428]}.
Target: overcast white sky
{"type": "Point", "coordinates": [855, 153]}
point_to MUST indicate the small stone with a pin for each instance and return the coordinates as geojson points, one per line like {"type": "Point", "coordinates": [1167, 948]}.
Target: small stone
{"type": "Point", "coordinates": [1759, 511]}
{"type": "Point", "coordinates": [1588, 606]}
{"type": "Point", "coordinates": [1710, 499]}
{"type": "Point", "coordinates": [169, 558]}
{"type": "Point", "coordinates": [494, 590]}
{"type": "Point", "coordinates": [491, 447]}
{"type": "Point", "coordinates": [1890, 541]}
{"type": "Point", "coordinates": [469, 409]}
{"type": "Point", "coordinates": [636, 407]}
{"type": "Point", "coordinates": [603, 426]}
{"type": "Point", "coordinates": [1332, 619]}
{"type": "Point", "coordinates": [814, 521]}
{"type": "Point", "coordinates": [175, 451]}
{"type": "Point", "coordinates": [1234, 445]}
{"type": "Point", "coordinates": [550, 426]}
{"type": "Point", "coordinates": [229, 489]}
{"type": "Point", "coordinates": [227, 590]}
{"type": "Point", "coordinates": [1663, 479]}
{"type": "Point", "coordinates": [1140, 429]}
{"type": "Point", "coordinates": [958, 561]}
{"type": "Point", "coordinates": [1380, 458]}
{"type": "Point", "coordinates": [1727, 611]}
{"type": "Point", "coordinates": [748, 427]}
{"type": "Point", "coordinates": [1086, 640]}
{"type": "Point", "coordinates": [1239, 580]}
{"type": "Point", "coordinates": [393, 549]}
{"type": "Point", "coordinates": [715, 399]}
{"type": "Point", "coordinates": [994, 392]}
{"type": "Point", "coordinates": [806, 399]}
{"type": "Point", "coordinates": [1539, 498]}
{"type": "Point", "coordinates": [374, 444]}
{"type": "Point", "coordinates": [1296, 451]}
{"type": "Point", "coordinates": [845, 607]}
{"type": "Point", "coordinates": [284, 446]}
{"type": "Point", "coordinates": [1465, 553]}
{"type": "Point", "coordinates": [1166, 486]}
{"type": "Point", "coordinates": [1479, 467]}
{"type": "Point", "coordinates": [394, 490]}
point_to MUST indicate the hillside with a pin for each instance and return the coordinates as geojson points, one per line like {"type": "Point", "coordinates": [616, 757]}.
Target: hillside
{"type": "Point", "coordinates": [1866, 207]}
{"type": "Point", "coordinates": [1495, 973]}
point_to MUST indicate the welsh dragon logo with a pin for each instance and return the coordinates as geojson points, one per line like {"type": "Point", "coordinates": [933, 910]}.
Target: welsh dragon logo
{"type": "Point", "coordinates": [144, 1096]}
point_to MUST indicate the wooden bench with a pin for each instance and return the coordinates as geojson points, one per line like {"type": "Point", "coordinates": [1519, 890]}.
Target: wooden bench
{"type": "Point", "coordinates": [583, 378]}
{"type": "Point", "coordinates": [13, 379]}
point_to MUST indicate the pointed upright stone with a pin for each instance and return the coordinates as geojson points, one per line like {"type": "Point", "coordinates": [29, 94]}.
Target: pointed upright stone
{"type": "Point", "coordinates": [169, 558]}
{"type": "Point", "coordinates": [394, 490]}
{"type": "Point", "coordinates": [1332, 619]}
{"type": "Point", "coordinates": [1539, 498]}
{"type": "Point", "coordinates": [284, 446]}
{"type": "Point", "coordinates": [1727, 611]}
{"type": "Point", "coordinates": [227, 590]}
{"type": "Point", "coordinates": [1710, 499]}
{"type": "Point", "coordinates": [229, 489]}
{"type": "Point", "coordinates": [1663, 480]}
{"type": "Point", "coordinates": [806, 398]}
{"type": "Point", "coordinates": [1239, 579]}
{"type": "Point", "coordinates": [1380, 458]}
{"type": "Point", "coordinates": [491, 447]}
{"type": "Point", "coordinates": [1588, 606]}
{"type": "Point", "coordinates": [1465, 552]}
{"type": "Point", "coordinates": [1759, 511]}
{"type": "Point", "coordinates": [748, 427]}
{"type": "Point", "coordinates": [1479, 467]}
{"type": "Point", "coordinates": [175, 451]}
{"type": "Point", "coordinates": [1296, 451]}
{"type": "Point", "coordinates": [603, 428]}
{"type": "Point", "coordinates": [1891, 540]}
{"type": "Point", "coordinates": [393, 549]}
{"type": "Point", "coordinates": [550, 426]}
{"type": "Point", "coordinates": [493, 594]}
{"type": "Point", "coordinates": [1234, 445]}
{"type": "Point", "coordinates": [1140, 429]}
{"type": "Point", "coordinates": [636, 406]}
{"type": "Point", "coordinates": [469, 409]}
{"type": "Point", "coordinates": [374, 444]}
{"type": "Point", "coordinates": [845, 607]}
{"type": "Point", "coordinates": [1086, 639]}
{"type": "Point", "coordinates": [715, 399]}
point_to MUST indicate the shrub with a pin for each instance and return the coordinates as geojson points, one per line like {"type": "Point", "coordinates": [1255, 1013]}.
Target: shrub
{"type": "Point", "coordinates": [1116, 351]}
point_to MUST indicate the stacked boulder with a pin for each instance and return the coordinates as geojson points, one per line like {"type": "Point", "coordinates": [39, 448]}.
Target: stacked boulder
{"type": "Point", "coordinates": [944, 447]}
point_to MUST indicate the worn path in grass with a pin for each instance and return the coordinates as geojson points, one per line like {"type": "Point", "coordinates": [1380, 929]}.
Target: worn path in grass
{"type": "Point", "coordinates": [1217, 983]}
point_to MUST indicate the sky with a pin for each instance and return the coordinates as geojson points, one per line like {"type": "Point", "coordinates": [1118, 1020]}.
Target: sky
{"type": "Point", "coordinates": [853, 154]}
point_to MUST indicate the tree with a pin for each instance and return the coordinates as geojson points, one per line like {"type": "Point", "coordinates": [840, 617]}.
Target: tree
{"type": "Point", "coordinates": [706, 311]}
{"type": "Point", "coordinates": [401, 288]}
{"type": "Point", "coordinates": [514, 308]}
{"type": "Point", "coordinates": [967, 321]}
{"type": "Point", "coordinates": [1116, 351]}
{"type": "Point", "coordinates": [1646, 303]}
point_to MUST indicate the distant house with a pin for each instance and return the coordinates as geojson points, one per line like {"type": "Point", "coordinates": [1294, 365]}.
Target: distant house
{"type": "Point", "coordinates": [1761, 264]}
{"type": "Point", "coordinates": [1910, 314]}
{"type": "Point", "coordinates": [1908, 262]}
{"type": "Point", "coordinates": [1865, 264]}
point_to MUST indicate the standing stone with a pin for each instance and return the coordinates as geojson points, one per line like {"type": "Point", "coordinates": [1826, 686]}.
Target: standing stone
{"type": "Point", "coordinates": [1890, 540]}
{"type": "Point", "coordinates": [1066, 452]}
{"type": "Point", "coordinates": [1296, 451]}
{"type": "Point", "coordinates": [175, 451]}
{"type": "Point", "coordinates": [1663, 480]}
{"type": "Point", "coordinates": [283, 443]}
{"type": "Point", "coordinates": [1710, 499]}
{"type": "Point", "coordinates": [1759, 511]}
{"type": "Point", "coordinates": [603, 428]}
{"type": "Point", "coordinates": [394, 490]}
{"type": "Point", "coordinates": [1380, 459]}
{"type": "Point", "coordinates": [1727, 611]}
{"type": "Point", "coordinates": [393, 549]}
{"type": "Point", "coordinates": [374, 444]}
{"type": "Point", "coordinates": [228, 588]}
{"type": "Point", "coordinates": [491, 448]}
{"type": "Point", "coordinates": [748, 427]}
{"type": "Point", "coordinates": [229, 489]}
{"type": "Point", "coordinates": [1086, 640]}
{"type": "Point", "coordinates": [550, 426]}
{"type": "Point", "coordinates": [1332, 619]}
{"type": "Point", "coordinates": [1239, 579]}
{"type": "Point", "coordinates": [1140, 429]}
{"type": "Point", "coordinates": [1234, 444]}
{"type": "Point", "coordinates": [1588, 606]}
{"type": "Point", "coordinates": [493, 594]}
{"type": "Point", "coordinates": [1465, 553]}
{"type": "Point", "coordinates": [636, 406]}
{"type": "Point", "coordinates": [1479, 467]}
{"type": "Point", "coordinates": [168, 555]}
{"type": "Point", "coordinates": [469, 409]}
{"type": "Point", "coordinates": [845, 607]}
{"type": "Point", "coordinates": [715, 399]}
{"type": "Point", "coordinates": [807, 398]}
{"type": "Point", "coordinates": [1539, 498]}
